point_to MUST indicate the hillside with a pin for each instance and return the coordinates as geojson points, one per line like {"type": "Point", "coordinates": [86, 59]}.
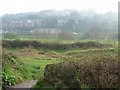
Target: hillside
{"type": "Point", "coordinates": [52, 22]}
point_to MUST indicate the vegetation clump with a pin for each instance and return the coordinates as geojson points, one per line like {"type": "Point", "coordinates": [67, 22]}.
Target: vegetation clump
{"type": "Point", "coordinates": [93, 71]}
{"type": "Point", "coordinates": [9, 61]}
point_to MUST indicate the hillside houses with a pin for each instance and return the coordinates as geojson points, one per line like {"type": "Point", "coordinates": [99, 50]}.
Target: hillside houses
{"type": "Point", "coordinates": [46, 30]}
{"type": "Point", "coordinates": [30, 26]}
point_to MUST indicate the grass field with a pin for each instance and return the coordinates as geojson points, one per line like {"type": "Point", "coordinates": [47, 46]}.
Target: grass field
{"type": "Point", "coordinates": [38, 63]}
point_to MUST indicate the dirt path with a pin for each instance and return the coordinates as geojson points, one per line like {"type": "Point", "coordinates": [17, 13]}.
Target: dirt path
{"type": "Point", "coordinates": [26, 85]}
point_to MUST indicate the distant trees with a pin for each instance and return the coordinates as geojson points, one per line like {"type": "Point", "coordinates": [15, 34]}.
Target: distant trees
{"type": "Point", "coordinates": [70, 26]}
{"type": "Point", "coordinates": [40, 34]}
{"type": "Point", "coordinates": [66, 35]}
{"type": "Point", "coordinates": [66, 20]}
{"type": "Point", "coordinates": [93, 35]}
{"type": "Point", "coordinates": [49, 23]}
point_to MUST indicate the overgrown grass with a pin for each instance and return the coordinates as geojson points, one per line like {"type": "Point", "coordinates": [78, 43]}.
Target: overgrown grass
{"type": "Point", "coordinates": [29, 62]}
{"type": "Point", "coordinates": [11, 69]}
{"type": "Point", "coordinates": [34, 63]}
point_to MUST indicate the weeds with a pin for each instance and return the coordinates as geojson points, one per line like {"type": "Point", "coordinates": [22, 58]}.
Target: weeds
{"type": "Point", "coordinates": [8, 79]}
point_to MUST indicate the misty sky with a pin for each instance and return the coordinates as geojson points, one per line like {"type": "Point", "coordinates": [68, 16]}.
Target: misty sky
{"type": "Point", "coordinates": [20, 6]}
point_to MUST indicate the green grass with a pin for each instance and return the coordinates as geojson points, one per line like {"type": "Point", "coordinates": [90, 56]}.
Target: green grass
{"type": "Point", "coordinates": [39, 61]}
{"type": "Point", "coordinates": [33, 62]}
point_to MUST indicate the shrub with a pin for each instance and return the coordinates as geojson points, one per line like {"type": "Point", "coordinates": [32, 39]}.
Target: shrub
{"type": "Point", "coordinates": [54, 46]}
{"type": "Point", "coordinates": [95, 71]}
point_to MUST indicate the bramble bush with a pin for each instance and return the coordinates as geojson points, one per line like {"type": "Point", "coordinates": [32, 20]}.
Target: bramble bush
{"type": "Point", "coordinates": [96, 69]}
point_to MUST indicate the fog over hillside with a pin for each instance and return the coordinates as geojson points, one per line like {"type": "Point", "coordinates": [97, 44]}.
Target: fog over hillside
{"type": "Point", "coordinates": [57, 21]}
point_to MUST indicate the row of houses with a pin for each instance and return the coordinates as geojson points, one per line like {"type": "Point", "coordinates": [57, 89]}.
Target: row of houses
{"type": "Point", "coordinates": [46, 30]}
{"type": "Point", "coordinates": [27, 23]}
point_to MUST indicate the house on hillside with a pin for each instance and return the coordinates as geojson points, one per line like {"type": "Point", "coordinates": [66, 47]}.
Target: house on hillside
{"type": "Point", "coordinates": [46, 30]}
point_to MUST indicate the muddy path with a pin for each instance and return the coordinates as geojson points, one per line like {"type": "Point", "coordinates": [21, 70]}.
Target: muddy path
{"type": "Point", "coordinates": [23, 86]}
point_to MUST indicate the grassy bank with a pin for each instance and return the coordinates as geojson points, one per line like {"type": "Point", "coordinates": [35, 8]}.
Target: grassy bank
{"type": "Point", "coordinates": [20, 65]}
